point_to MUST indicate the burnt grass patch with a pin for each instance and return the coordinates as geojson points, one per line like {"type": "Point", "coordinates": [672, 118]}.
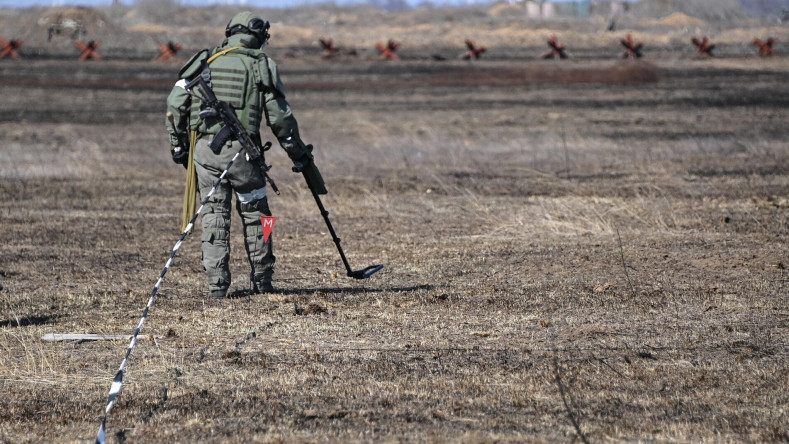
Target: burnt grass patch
{"type": "Point", "coordinates": [563, 260]}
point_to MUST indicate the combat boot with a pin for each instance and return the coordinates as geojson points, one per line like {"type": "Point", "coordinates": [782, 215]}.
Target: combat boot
{"type": "Point", "coordinates": [217, 294]}
{"type": "Point", "coordinates": [261, 283]}
{"type": "Point", "coordinates": [262, 286]}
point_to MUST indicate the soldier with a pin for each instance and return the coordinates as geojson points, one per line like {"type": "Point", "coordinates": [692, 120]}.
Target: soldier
{"type": "Point", "coordinates": [242, 75]}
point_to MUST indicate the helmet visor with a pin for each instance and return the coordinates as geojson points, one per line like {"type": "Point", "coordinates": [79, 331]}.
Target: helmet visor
{"type": "Point", "coordinates": [257, 27]}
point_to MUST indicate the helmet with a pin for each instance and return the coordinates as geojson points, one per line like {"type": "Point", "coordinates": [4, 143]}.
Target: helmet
{"type": "Point", "coordinates": [248, 23]}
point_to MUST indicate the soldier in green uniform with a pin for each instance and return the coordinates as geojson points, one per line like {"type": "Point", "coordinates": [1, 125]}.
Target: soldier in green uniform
{"type": "Point", "coordinates": [242, 75]}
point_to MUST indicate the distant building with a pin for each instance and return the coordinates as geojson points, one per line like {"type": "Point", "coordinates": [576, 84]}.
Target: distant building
{"type": "Point", "coordinates": [540, 9]}
{"type": "Point", "coordinates": [614, 9]}
{"type": "Point", "coordinates": [759, 8]}
{"type": "Point", "coordinates": [579, 8]}
{"type": "Point", "coordinates": [618, 8]}
{"type": "Point", "coordinates": [533, 9]}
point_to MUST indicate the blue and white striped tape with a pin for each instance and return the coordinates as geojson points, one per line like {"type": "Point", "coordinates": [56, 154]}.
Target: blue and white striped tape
{"type": "Point", "coordinates": [117, 382]}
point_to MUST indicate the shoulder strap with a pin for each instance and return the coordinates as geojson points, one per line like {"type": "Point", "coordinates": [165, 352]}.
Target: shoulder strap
{"type": "Point", "coordinates": [221, 53]}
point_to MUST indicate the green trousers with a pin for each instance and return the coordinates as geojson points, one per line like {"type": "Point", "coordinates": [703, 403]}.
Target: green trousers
{"type": "Point", "coordinates": [248, 183]}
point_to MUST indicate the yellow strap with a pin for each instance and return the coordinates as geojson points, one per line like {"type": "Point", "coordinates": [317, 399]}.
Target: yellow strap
{"type": "Point", "coordinates": [221, 53]}
{"type": "Point", "coordinates": [190, 190]}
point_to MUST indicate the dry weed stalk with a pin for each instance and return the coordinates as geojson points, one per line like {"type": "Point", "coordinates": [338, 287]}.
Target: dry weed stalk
{"type": "Point", "coordinates": [624, 265]}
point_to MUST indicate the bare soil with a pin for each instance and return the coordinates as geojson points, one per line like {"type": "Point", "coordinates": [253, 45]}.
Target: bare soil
{"type": "Point", "coordinates": [589, 250]}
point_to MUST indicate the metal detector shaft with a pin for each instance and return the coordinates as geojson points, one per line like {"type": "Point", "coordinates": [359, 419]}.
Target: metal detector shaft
{"type": "Point", "coordinates": [364, 273]}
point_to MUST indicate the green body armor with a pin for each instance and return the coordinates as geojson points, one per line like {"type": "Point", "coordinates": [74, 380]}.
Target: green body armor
{"type": "Point", "coordinates": [231, 82]}
{"type": "Point", "coordinates": [242, 77]}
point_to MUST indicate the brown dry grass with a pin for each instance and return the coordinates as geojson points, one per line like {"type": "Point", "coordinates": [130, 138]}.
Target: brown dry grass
{"type": "Point", "coordinates": [564, 260]}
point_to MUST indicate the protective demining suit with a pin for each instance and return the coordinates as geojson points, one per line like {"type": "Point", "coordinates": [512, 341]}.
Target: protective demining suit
{"type": "Point", "coordinates": [242, 75]}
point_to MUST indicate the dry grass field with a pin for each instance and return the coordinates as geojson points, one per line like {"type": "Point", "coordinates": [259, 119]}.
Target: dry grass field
{"type": "Point", "coordinates": [586, 250]}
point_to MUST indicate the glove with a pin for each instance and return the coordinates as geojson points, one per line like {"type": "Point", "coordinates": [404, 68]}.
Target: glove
{"type": "Point", "coordinates": [301, 163]}
{"type": "Point", "coordinates": [178, 139]}
{"type": "Point", "coordinates": [180, 157]}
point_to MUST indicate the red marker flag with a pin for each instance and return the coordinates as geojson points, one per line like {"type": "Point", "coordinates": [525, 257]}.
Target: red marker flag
{"type": "Point", "coordinates": [268, 224]}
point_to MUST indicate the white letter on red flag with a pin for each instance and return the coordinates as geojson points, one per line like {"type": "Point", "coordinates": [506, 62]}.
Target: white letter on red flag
{"type": "Point", "coordinates": [268, 224]}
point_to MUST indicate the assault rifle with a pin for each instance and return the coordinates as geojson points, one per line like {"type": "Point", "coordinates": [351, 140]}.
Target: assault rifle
{"type": "Point", "coordinates": [232, 127]}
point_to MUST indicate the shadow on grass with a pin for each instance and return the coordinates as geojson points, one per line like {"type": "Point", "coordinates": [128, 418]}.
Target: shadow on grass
{"type": "Point", "coordinates": [353, 291]}
{"type": "Point", "coordinates": [334, 290]}
{"type": "Point", "coordinates": [26, 321]}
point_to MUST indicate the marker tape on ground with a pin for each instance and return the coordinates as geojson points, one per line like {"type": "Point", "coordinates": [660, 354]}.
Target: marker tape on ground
{"type": "Point", "coordinates": [117, 382]}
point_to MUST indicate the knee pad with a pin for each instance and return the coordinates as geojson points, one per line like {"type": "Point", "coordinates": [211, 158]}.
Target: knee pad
{"type": "Point", "coordinates": [216, 226]}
